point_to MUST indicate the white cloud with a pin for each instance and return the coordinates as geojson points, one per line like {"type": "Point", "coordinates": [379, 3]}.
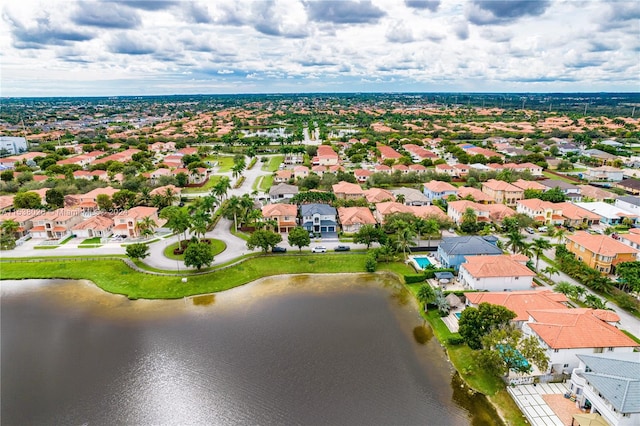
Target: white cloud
{"type": "Point", "coordinates": [82, 47]}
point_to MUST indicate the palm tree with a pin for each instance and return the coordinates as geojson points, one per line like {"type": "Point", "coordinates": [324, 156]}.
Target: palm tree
{"type": "Point", "coordinates": [538, 248]}
{"type": "Point", "coordinates": [169, 197]}
{"type": "Point", "coordinates": [426, 295]}
{"type": "Point", "coordinates": [145, 226]}
{"type": "Point", "coordinates": [178, 220]}
{"type": "Point", "coordinates": [234, 207]}
{"type": "Point", "coordinates": [516, 239]}
{"type": "Point", "coordinates": [429, 227]}
{"type": "Point", "coordinates": [200, 223]}
{"type": "Point", "coordinates": [560, 234]}
{"type": "Point", "coordinates": [550, 270]}
{"type": "Point", "coordinates": [404, 238]}
{"type": "Point", "coordinates": [144, 198]}
{"type": "Point", "coordinates": [221, 188]}
{"type": "Point", "coordinates": [400, 198]}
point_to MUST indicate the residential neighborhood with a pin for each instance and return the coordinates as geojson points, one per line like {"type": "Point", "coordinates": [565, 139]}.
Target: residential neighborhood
{"type": "Point", "coordinates": [546, 227]}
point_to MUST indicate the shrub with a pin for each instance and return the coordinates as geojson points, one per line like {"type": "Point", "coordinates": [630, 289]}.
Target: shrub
{"type": "Point", "coordinates": [371, 263]}
{"type": "Point", "coordinates": [455, 340]}
{"type": "Point", "coordinates": [412, 279]}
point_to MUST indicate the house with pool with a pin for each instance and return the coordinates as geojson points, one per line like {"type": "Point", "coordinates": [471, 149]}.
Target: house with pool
{"type": "Point", "coordinates": [453, 250]}
{"type": "Point", "coordinates": [496, 273]}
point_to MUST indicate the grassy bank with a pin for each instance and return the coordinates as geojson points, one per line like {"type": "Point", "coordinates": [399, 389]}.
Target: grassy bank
{"type": "Point", "coordinates": [114, 276]}
{"type": "Point", "coordinates": [217, 247]}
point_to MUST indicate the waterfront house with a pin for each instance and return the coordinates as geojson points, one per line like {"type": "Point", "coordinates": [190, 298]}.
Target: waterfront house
{"type": "Point", "coordinates": [126, 223]}
{"type": "Point", "coordinates": [608, 384]}
{"type": "Point", "coordinates": [496, 273]}
{"type": "Point", "coordinates": [283, 214]}
{"type": "Point", "coordinates": [354, 218]}
{"type": "Point", "coordinates": [453, 250]}
{"type": "Point", "coordinates": [24, 218]}
{"type": "Point", "coordinates": [56, 224]}
{"type": "Point", "coordinates": [96, 226]}
{"type": "Point", "coordinates": [319, 218]}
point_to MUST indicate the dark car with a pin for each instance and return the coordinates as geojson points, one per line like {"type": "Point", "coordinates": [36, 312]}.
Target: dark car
{"type": "Point", "coordinates": [277, 249]}
{"type": "Point", "coordinates": [342, 248]}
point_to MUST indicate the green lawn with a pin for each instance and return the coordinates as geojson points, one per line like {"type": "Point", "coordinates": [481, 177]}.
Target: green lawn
{"type": "Point", "coordinates": [225, 163]}
{"type": "Point", "coordinates": [273, 163]}
{"type": "Point", "coordinates": [115, 277]}
{"type": "Point", "coordinates": [95, 240]}
{"type": "Point", "coordinates": [217, 247]}
{"type": "Point", "coordinates": [263, 183]}
{"type": "Point", "coordinates": [213, 179]}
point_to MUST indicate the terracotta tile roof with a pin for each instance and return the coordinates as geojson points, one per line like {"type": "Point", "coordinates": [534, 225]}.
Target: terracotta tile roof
{"type": "Point", "coordinates": [96, 222]}
{"type": "Point", "coordinates": [529, 184]}
{"type": "Point", "coordinates": [347, 188]}
{"type": "Point", "coordinates": [388, 152]}
{"type": "Point", "coordinates": [378, 195]}
{"type": "Point", "coordinates": [271, 210]}
{"type": "Point", "coordinates": [573, 212]}
{"type": "Point", "coordinates": [495, 266]}
{"type": "Point", "coordinates": [520, 302]}
{"type": "Point", "coordinates": [390, 207]}
{"type": "Point", "coordinates": [477, 195]}
{"type": "Point", "coordinates": [356, 215]}
{"type": "Point", "coordinates": [6, 201]}
{"type": "Point", "coordinates": [498, 185]}
{"type": "Point", "coordinates": [576, 328]}
{"type": "Point", "coordinates": [497, 212]}
{"type": "Point", "coordinates": [439, 186]}
{"type": "Point", "coordinates": [600, 244]}
{"type": "Point", "coordinates": [21, 215]}
{"type": "Point", "coordinates": [426, 212]}
{"type": "Point", "coordinates": [537, 204]}
{"type": "Point", "coordinates": [362, 172]}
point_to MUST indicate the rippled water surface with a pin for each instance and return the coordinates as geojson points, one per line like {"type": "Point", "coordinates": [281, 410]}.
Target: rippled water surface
{"type": "Point", "coordinates": [338, 350]}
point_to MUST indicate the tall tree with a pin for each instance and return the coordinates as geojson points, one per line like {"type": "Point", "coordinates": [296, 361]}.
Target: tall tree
{"type": "Point", "coordinates": [198, 254]}
{"type": "Point", "coordinates": [474, 323]}
{"type": "Point", "coordinates": [27, 200]}
{"type": "Point", "coordinates": [54, 198]}
{"type": "Point", "coordinates": [299, 237]}
{"type": "Point", "coordinates": [507, 349]}
{"type": "Point", "coordinates": [426, 295]}
{"type": "Point", "coordinates": [538, 248]}
{"type": "Point", "coordinates": [515, 241]}
{"type": "Point", "coordinates": [263, 239]}
{"type": "Point", "coordinates": [368, 234]}
{"type": "Point", "coordinates": [404, 239]}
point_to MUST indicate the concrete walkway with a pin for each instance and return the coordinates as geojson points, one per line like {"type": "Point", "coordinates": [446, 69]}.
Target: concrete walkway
{"type": "Point", "coordinates": [529, 400]}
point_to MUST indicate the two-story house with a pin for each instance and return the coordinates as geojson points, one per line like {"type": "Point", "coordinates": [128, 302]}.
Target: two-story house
{"type": "Point", "coordinates": [453, 250]}
{"type": "Point", "coordinates": [126, 223]}
{"type": "Point", "coordinates": [24, 218]}
{"type": "Point", "coordinates": [600, 252]}
{"type": "Point", "coordinates": [474, 194]}
{"type": "Point", "coordinates": [282, 192]}
{"type": "Point", "coordinates": [502, 192]}
{"type": "Point", "coordinates": [319, 218]}
{"type": "Point", "coordinates": [577, 216]}
{"type": "Point", "coordinates": [496, 273]}
{"type": "Point", "coordinates": [347, 191]}
{"type": "Point", "coordinates": [541, 211]}
{"type": "Point", "coordinates": [608, 384]}
{"type": "Point", "coordinates": [604, 173]}
{"type": "Point", "coordinates": [632, 239]}
{"type": "Point", "coordinates": [354, 218]}
{"type": "Point", "coordinates": [566, 333]}
{"type": "Point", "coordinates": [572, 192]}
{"type": "Point", "coordinates": [96, 226]}
{"type": "Point", "coordinates": [609, 214]}
{"type": "Point", "coordinates": [56, 224]}
{"type": "Point", "coordinates": [438, 190]}
{"type": "Point", "coordinates": [283, 214]}
{"type": "Point", "coordinates": [629, 203]}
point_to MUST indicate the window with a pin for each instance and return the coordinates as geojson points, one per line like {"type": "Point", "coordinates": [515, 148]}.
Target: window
{"type": "Point", "coordinates": [597, 350]}
{"type": "Point", "coordinates": [565, 366]}
{"type": "Point", "coordinates": [556, 350]}
{"type": "Point", "coordinates": [609, 349]}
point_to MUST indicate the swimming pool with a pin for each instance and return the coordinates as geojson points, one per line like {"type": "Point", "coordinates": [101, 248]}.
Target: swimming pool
{"type": "Point", "coordinates": [458, 314]}
{"type": "Point", "coordinates": [422, 262]}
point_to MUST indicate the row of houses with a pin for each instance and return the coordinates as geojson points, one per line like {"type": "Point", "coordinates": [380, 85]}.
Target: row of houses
{"type": "Point", "coordinates": [64, 222]}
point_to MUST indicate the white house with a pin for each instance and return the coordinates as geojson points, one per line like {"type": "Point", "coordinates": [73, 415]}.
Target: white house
{"type": "Point", "coordinates": [629, 203]}
{"type": "Point", "coordinates": [567, 333]}
{"type": "Point", "coordinates": [610, 385]}
{"type": "Point", "coordinates": [604, 173]}
{"type": "Point", "coordinates": [496, 273]}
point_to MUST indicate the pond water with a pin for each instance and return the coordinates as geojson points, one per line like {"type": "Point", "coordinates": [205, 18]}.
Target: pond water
{"type": "Point", "coordinates": [313, 349]}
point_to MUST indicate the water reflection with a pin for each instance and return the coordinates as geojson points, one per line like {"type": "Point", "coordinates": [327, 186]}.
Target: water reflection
{"type": "Point", "coordinates": [310, 349]}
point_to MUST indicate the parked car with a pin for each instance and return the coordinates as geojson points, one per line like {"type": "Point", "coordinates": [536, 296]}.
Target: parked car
{"type": "Point", "coordinates": [342, 248]}
{"type": "Point", "coordinates": [530, 230]}
{"type": "Point", "coordinates": [543, 229]}
{"type": "Point", "coordinates": [277, 249]}
{"type": "Point", "coordinates": [319, 249]}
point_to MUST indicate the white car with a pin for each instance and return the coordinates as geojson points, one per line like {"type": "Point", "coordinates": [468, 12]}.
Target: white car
{"type": "Point", "coordinates": [319, 249]}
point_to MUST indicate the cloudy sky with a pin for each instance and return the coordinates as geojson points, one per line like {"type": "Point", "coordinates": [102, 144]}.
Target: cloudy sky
{"type": "Point", "coordinates": [148, 47]}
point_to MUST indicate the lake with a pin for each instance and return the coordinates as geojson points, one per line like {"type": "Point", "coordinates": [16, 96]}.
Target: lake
{"type": "Point", "coordinates": [311, 349]}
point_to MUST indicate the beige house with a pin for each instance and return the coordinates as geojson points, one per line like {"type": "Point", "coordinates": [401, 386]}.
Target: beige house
{"type": "Point", "coordinates": [541, 211]}
{"type": "Point", "coordinates": [126, 223]}
{"type": "Point", "coordinates": [347, 191]}
{"type": "Point", "coordinates": [503, 192]}
{"type": "Point", "coordinates": [24, 218]}
{"type": "Point", "coordinates": [56, 224]}
{"type": "Point", "coordinates": [96, 226]}
{"type": "Point", "coordinates": [284, 215]}
{"type": "Point", "coordinates": [354, 218]}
